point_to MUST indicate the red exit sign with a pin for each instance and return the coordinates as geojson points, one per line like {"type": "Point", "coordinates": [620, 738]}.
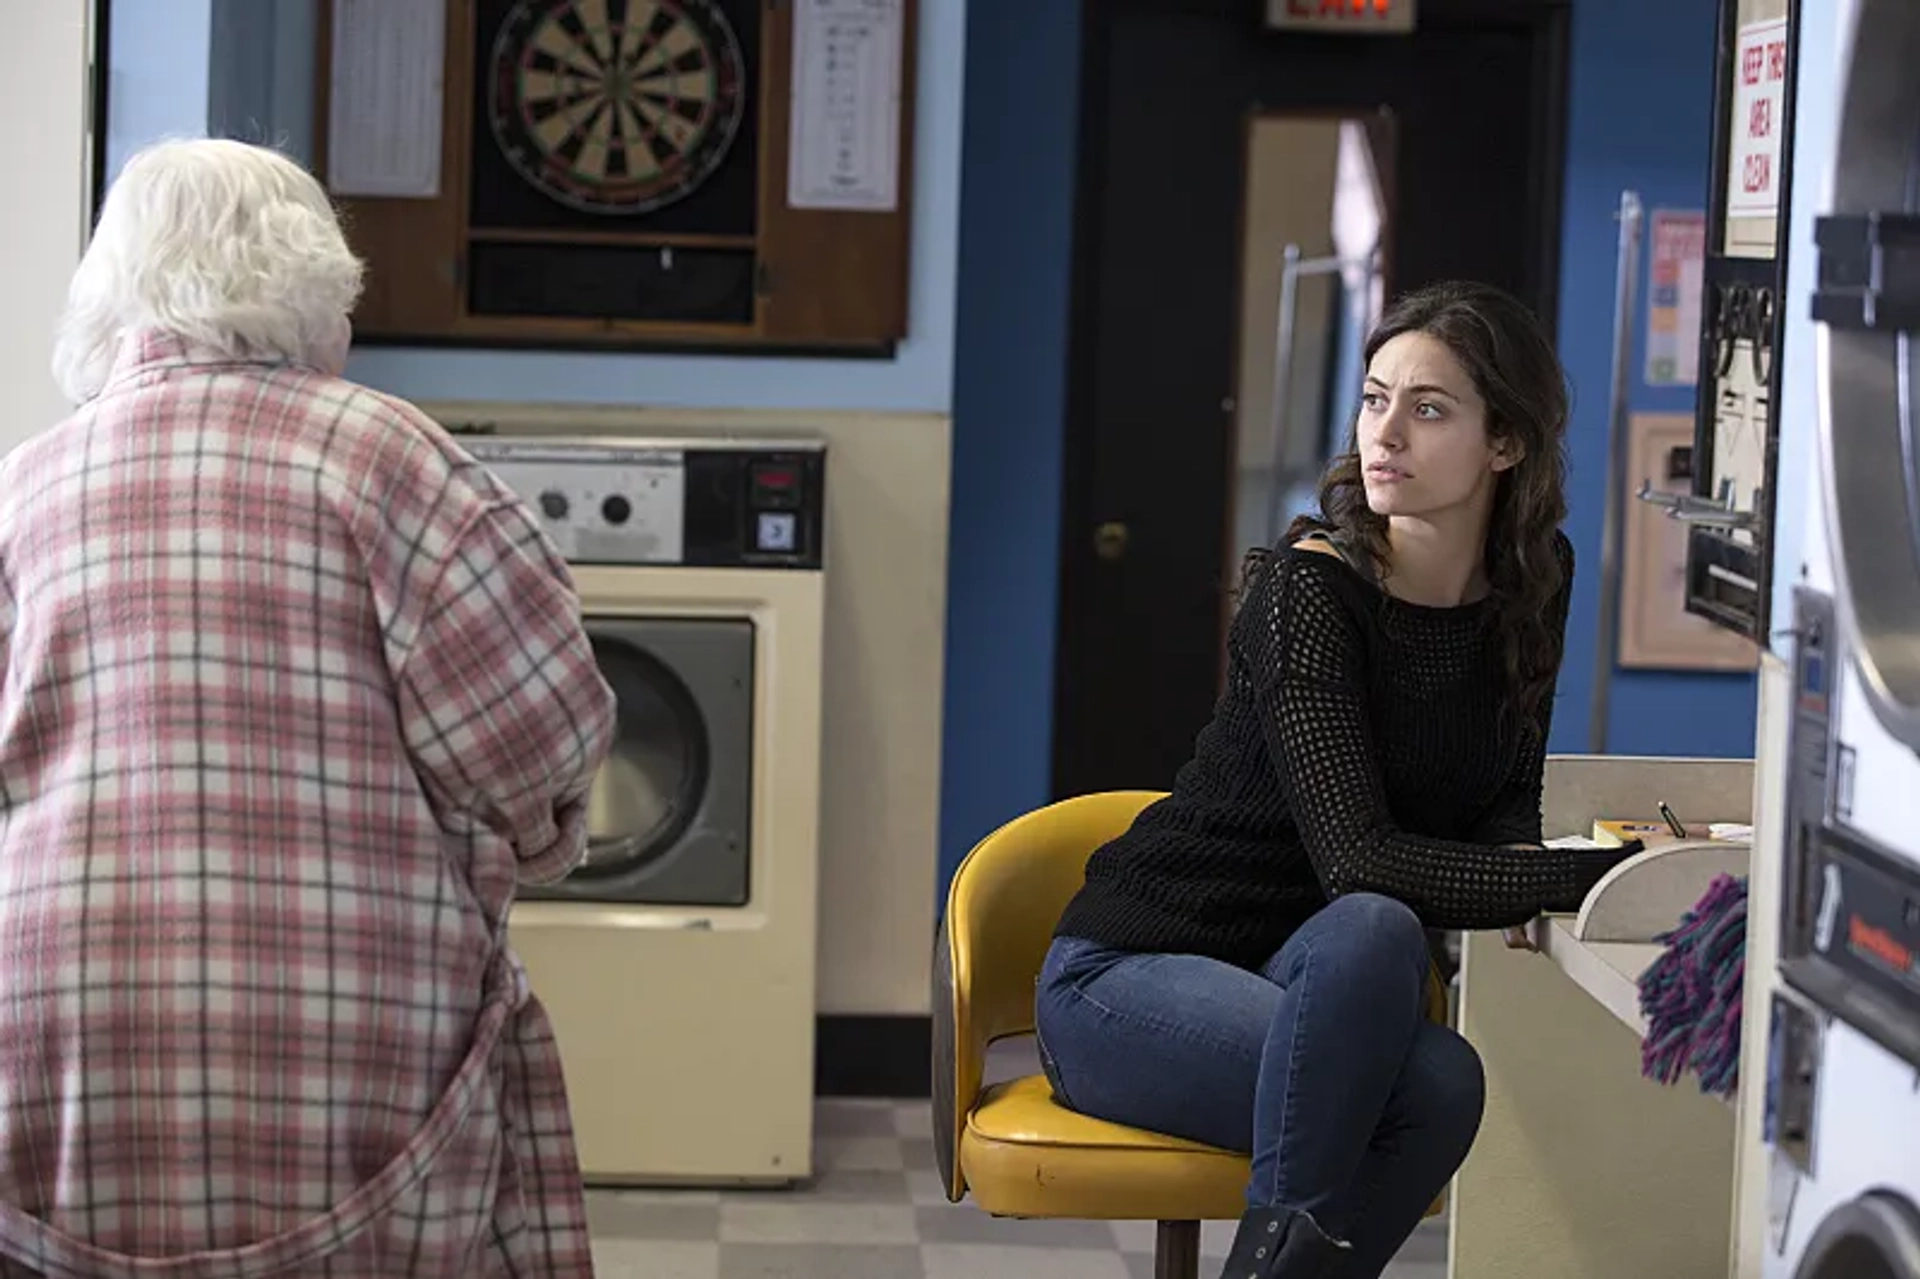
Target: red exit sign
{"type": "Point", "coordinates": [1351, 17]}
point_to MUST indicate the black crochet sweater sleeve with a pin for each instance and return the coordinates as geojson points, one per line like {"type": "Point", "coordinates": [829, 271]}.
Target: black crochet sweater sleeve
{"type": "Point", "coordinates": [1308, 640]}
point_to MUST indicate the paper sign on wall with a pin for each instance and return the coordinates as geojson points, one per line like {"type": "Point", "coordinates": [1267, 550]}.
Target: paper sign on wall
{"type": "Point", "coordinates": [1759, 101]}
{"type": "Point", "coordinates": [844, 140]}
{"type": "Point", "coordinates": [1673, 297]}
{"type": "Point", "coordinates": [386, 97]}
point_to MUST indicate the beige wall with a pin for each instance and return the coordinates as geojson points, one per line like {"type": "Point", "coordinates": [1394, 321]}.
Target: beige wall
{"type": "Point", "coordinates": [44, 155]}
{"type": "Point", "coordinates": [887, 488]}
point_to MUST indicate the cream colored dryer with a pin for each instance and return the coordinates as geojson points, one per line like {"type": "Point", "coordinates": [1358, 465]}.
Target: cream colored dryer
{"type": "Point", "coordinates": [678, 962]}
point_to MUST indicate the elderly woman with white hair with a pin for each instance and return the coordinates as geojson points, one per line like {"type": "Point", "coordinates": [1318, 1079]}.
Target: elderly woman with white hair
{"type": "Point", "coordinates": [295, 692]}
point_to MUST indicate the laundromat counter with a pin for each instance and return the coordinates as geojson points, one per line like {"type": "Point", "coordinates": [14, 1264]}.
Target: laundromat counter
{"type": "Point", "coordinates": [1583, 1168]}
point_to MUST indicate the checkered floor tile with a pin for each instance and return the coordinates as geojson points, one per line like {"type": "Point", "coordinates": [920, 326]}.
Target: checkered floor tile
{"type": "Point", "coordinates": [874, 1210]}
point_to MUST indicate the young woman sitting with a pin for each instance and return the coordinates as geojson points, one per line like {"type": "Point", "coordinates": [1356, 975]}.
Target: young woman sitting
{"type": "Point", "coordinates": [1246, 965]}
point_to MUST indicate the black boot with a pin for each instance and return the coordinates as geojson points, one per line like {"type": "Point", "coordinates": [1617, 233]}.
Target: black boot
{"type": "Point", "coordinates": [1279, 1243]}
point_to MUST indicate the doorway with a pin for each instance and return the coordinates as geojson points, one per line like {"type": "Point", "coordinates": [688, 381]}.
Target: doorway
{"type": "Point", "coordinates": [1195, 425]}
{"type": "Point", "coordinates": [1313, 226]}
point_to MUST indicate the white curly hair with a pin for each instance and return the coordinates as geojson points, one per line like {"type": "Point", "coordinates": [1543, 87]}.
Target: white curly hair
{"type": "Point", "coordinates": [228, 246]}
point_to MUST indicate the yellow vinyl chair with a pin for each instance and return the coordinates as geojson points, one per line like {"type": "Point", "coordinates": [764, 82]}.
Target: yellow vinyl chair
{"type": "Point", "coordinates": [1010, 1145]}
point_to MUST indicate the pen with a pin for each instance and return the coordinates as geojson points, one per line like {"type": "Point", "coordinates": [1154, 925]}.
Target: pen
{"type": "Point", "coordinates": [1673, 823]}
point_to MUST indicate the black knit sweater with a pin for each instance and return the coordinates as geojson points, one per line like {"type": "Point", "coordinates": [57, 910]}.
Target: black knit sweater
{"type": "Point", "coordinates": [1358, 747]}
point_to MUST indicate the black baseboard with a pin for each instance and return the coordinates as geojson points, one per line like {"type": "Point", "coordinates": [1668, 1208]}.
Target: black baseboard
{"type": "Point", "coordinates": [872, 1056]}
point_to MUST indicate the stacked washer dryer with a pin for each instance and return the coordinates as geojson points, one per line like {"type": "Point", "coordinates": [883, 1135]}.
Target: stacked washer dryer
{"type": "Point", "coordinates": [1843, 1075]}
{"type": "Point", "coordinates": [677, 962]}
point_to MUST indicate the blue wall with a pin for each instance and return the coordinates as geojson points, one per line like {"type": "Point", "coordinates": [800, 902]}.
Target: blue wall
{"type": "Point", "coordinates": [1009, 403]}
{"type": "Point", "coordinates": [157, 51]}
{"type": "Point", "coordinates": [1639, 118]}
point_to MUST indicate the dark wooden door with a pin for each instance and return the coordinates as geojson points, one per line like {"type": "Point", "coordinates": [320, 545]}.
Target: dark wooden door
{"type": "Point", "coordinates": [1477, 104]}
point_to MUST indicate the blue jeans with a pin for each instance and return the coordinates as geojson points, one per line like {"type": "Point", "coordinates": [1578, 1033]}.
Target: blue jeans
{"type": "Point", "coordinates": [1322, 1064]}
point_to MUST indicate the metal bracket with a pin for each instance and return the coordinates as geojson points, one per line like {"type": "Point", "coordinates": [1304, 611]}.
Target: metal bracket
{"type": "Point", "coordinates": [1688, 509]}
{"type": "Point", "coordinates": [1869, 271]}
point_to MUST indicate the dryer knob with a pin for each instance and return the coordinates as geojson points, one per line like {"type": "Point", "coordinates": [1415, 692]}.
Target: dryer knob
{"type": "Point", "coordinates": [553, 505]}
{"type": "Point", "coordinates": [616, 509]}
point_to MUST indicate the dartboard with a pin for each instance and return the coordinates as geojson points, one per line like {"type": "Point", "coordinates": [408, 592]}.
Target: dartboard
{"type": "Point", "coordinates": [616, 106]}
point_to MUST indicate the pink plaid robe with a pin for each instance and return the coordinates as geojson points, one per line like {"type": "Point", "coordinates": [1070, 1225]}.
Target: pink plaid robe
{"type": "Point", "coordinates": [294, 692]}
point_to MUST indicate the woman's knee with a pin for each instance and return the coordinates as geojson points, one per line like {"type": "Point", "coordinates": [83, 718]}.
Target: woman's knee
{"type": "Point", "coordinates": [1383, 926]}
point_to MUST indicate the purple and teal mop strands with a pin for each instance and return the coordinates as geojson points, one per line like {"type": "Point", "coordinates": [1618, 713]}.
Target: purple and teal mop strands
{"type": "Point", "coordinates": [1691, 995]}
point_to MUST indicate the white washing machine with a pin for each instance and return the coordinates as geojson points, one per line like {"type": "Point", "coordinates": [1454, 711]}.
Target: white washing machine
{"type": "Point", "coordinates": [678, 961]}
{"type": "Point", "coordinates": [1843, 1075]}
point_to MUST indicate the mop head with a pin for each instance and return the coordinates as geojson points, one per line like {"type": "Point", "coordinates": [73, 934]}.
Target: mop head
{"type": "Point", "coordinates": [1691, 995]}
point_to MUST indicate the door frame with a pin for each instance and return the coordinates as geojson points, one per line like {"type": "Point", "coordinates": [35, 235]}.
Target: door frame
{"type": "Point", "coordinates": [1551, 25]}
{"type": "Point", "coordinates": [1382, 140]}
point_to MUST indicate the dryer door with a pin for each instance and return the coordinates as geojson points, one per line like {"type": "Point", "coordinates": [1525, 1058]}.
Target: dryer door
{"type": "Point", "coordinates": [1877, 1236]}
{"type": "Point", "coordinates": [1868, 301]}
{"type": "Point", "coordinates": [669, 815]}
{"type": "Point", "coordinates": [648, 791]}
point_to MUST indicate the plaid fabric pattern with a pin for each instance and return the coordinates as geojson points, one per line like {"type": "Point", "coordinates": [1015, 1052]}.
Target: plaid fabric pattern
{"type": "Point", "coordinates": [295, 693]}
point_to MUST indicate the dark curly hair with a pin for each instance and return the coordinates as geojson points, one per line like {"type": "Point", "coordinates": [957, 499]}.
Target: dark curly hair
{"type": "Point", "coordinates": [1503, 348]}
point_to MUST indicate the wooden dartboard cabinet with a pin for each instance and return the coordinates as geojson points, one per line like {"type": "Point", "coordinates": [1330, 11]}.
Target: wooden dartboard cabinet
{"type": "Point", "coordinates": [579, 203]}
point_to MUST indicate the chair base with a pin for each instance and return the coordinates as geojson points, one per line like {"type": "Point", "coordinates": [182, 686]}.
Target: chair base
{"type": "Point", "coordinates": [1176, 1250]}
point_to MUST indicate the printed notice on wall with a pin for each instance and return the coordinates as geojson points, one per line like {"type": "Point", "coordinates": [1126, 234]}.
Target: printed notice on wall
{"type": "Point", "coordinates": [384, 98]}
{"type": "Point", "coordinates": [1759, 99]}
{"type": "Point", "coordinates": [845, 137]}
{"type": "Point", "coordinates": [1679, 250]}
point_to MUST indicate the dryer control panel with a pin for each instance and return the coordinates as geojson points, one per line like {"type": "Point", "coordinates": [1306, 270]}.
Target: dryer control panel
{"type": "Point", "coordinates": [700, 503]}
